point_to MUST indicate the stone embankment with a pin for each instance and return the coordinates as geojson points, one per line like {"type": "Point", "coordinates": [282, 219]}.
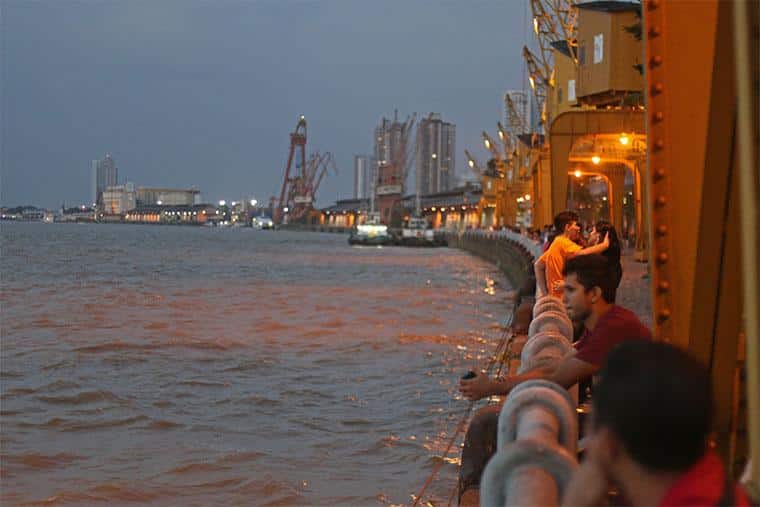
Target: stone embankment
{"type": "Point", "coordinates": [512, 253]}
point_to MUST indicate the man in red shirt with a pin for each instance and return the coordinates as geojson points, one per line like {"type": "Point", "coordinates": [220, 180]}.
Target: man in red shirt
{"type": "Point", "coordinates": [588, 290]}
{"type": "Point", "coordinates": [651, 419]}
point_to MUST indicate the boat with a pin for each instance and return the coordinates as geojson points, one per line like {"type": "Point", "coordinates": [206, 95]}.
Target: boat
{"type": "Point", "coordinates": [371, 233]}
{"type": "Point", "coordinates": [418, 233]}
{"type": "Point", "coordinates": [262, 222]}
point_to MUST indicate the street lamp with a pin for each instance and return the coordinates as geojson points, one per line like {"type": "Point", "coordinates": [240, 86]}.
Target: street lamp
{"type": "Point", "coordinates": [254, 202]}
{"type": "Point", "coordinates": [222, 202]}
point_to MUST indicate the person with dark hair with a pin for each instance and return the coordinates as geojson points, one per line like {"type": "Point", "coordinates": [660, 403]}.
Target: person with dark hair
{"type": "Point", "coordinates": [649, 433]}
{"type": "Point", "coordinates": [588, 293]}
{"type": "Point", "coordinates": [603, 228]}
{"type": "Point", "coordinates": [548, 267]}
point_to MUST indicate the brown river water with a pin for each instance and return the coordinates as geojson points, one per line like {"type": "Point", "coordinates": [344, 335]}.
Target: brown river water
{"type": "Point", "coordinates": [199, 366]}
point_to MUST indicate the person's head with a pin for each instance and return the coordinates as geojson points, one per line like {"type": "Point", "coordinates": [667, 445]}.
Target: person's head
{"type": "Point", "coordinates": [566, 222]}
{"type": "Point", "coordinates": [652, 409]}
{"type": "Point", "coordinates": [587, 286]}
{"type": "Point", "coordinates": [602, 228]}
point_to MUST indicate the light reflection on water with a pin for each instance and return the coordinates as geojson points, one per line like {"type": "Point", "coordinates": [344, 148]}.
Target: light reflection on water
{"type": "Point", "coordinates": [204, 366]}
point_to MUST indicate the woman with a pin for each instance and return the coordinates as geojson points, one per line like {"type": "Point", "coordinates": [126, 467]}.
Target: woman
{"type": "Point", "coordinates": [612, 253]}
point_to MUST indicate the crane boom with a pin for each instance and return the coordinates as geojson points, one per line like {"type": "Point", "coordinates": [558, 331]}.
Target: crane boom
{"type": "Point", "coordinates": [539, 83]}
{"type": "Point", "coordinates": [517, 123]}
{"type": "Point", "coordinates": [473, 164]}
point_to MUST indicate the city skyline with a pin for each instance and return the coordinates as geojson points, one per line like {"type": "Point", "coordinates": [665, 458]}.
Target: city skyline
{"type": "Point", "coordinates": [186, 94]}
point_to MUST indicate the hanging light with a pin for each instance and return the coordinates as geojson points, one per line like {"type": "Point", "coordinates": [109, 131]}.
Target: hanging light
{"type": "Point", "coordinates": [578, 173]}
{"type": "Point", "coordinates": [596, 159]}
{"type": "Point", "coordinates": [624, 139]}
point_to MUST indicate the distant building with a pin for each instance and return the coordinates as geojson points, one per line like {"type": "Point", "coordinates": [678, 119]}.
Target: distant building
{"type": "Point", "coordinates": [104, 174]}
{"type": "Point", "coordinates": [180, 214]}
{"type": "Point", "coordinates": [149, 196]}
{"type": "Point", "coordinates": [364, 176]}
{"type": "Point", "coordinates": [435, 157]}
{"type": "Point", "coordinates": [119, 199]}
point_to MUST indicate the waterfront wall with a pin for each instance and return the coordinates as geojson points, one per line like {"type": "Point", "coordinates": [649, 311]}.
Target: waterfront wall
{"type": "Point", "coordinates": [512, 253]}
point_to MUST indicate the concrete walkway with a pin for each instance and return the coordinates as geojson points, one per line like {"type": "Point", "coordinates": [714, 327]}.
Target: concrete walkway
{"type": "Point", "coordinates": [633, 292]}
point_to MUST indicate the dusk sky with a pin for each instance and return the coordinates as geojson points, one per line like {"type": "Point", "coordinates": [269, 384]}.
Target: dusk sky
{"type": "Point", "coordinates": [204, 93]}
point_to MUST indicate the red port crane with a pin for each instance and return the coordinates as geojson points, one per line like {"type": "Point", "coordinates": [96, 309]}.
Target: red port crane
{"type": "Point", "coordinates": [302, 180]}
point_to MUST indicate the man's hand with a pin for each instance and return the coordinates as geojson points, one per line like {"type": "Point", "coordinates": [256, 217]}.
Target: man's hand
{"type": "Point", "coordinates": [477, 387]}
{"type": "Point", "coordinates": [588, 486]}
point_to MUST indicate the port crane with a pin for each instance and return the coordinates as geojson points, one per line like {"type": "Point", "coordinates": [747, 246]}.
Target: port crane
{"type": "Point", "coordinates": [302, 177]}
{"type": "Point", "coordinates": [553, 20]}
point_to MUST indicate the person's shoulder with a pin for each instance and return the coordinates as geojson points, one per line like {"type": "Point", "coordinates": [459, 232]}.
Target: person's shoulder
{"type": "Point", "coordinates": [563, 243]}
{"type": "Point", "coordinates": [624, 320]}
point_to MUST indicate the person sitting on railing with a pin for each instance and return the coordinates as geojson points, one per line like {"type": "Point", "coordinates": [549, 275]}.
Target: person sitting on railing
{"type": "Point", "coordinates": [588, 290]}
{"type": "Point", "coordinates": [549, 266]}
{"type": "Point", "coordinates": [649, 431]}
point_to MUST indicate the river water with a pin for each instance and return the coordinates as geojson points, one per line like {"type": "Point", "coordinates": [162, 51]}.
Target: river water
{"type": "Point", "coordinates": [203, 366]}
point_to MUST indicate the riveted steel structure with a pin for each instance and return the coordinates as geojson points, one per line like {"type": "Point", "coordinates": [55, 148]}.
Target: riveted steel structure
{"type": "Point", "coordinates": [702, 65]}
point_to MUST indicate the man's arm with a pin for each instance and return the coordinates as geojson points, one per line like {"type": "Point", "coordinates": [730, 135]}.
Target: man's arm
{"type": "Point", "coordinates": [587, 487]}
{"type": "Point", "coordinates": [572, 370]}
{"type": "Point", "coordinates": [598, 248]}
{"type": "Point", "coordinates": [539, 268]}
{"type": "Point", "coordinates": [568, 372]}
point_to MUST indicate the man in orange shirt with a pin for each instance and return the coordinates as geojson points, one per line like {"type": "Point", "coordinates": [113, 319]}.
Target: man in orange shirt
{"type": "Point", "coordinates": [549, 266]}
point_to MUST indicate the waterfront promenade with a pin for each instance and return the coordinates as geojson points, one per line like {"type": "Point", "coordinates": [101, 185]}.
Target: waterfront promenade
{"type": "Point", "coordinates": [633, 292]}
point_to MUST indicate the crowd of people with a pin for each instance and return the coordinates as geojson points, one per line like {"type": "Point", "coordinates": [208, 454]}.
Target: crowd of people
{"type": "Point", "coordinates": [651, 401]}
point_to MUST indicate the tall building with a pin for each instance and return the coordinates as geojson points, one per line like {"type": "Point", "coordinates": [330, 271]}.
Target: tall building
{"type": "Point", "coordinates": [364, 176]}
{"type": "Point", "coordinates": [435, 155]}
{"type": "Point", "coordinates": [104, 175]}
{"type": "Point", "coordinates": [388, 141]}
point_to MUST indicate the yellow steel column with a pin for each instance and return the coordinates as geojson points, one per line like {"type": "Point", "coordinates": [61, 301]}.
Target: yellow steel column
{"type": "Point", "coordinates": [694, 206]}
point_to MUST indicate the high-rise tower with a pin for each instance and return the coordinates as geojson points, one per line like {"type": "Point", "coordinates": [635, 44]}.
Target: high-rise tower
{"type": "Point", "coordinates": [435, 156]}
{"type": "Point", "coordinates": [104, 175]}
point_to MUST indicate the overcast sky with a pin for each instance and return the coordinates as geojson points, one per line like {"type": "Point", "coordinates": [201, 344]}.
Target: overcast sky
{"type": "Point", "coordinates": [205, 92]}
